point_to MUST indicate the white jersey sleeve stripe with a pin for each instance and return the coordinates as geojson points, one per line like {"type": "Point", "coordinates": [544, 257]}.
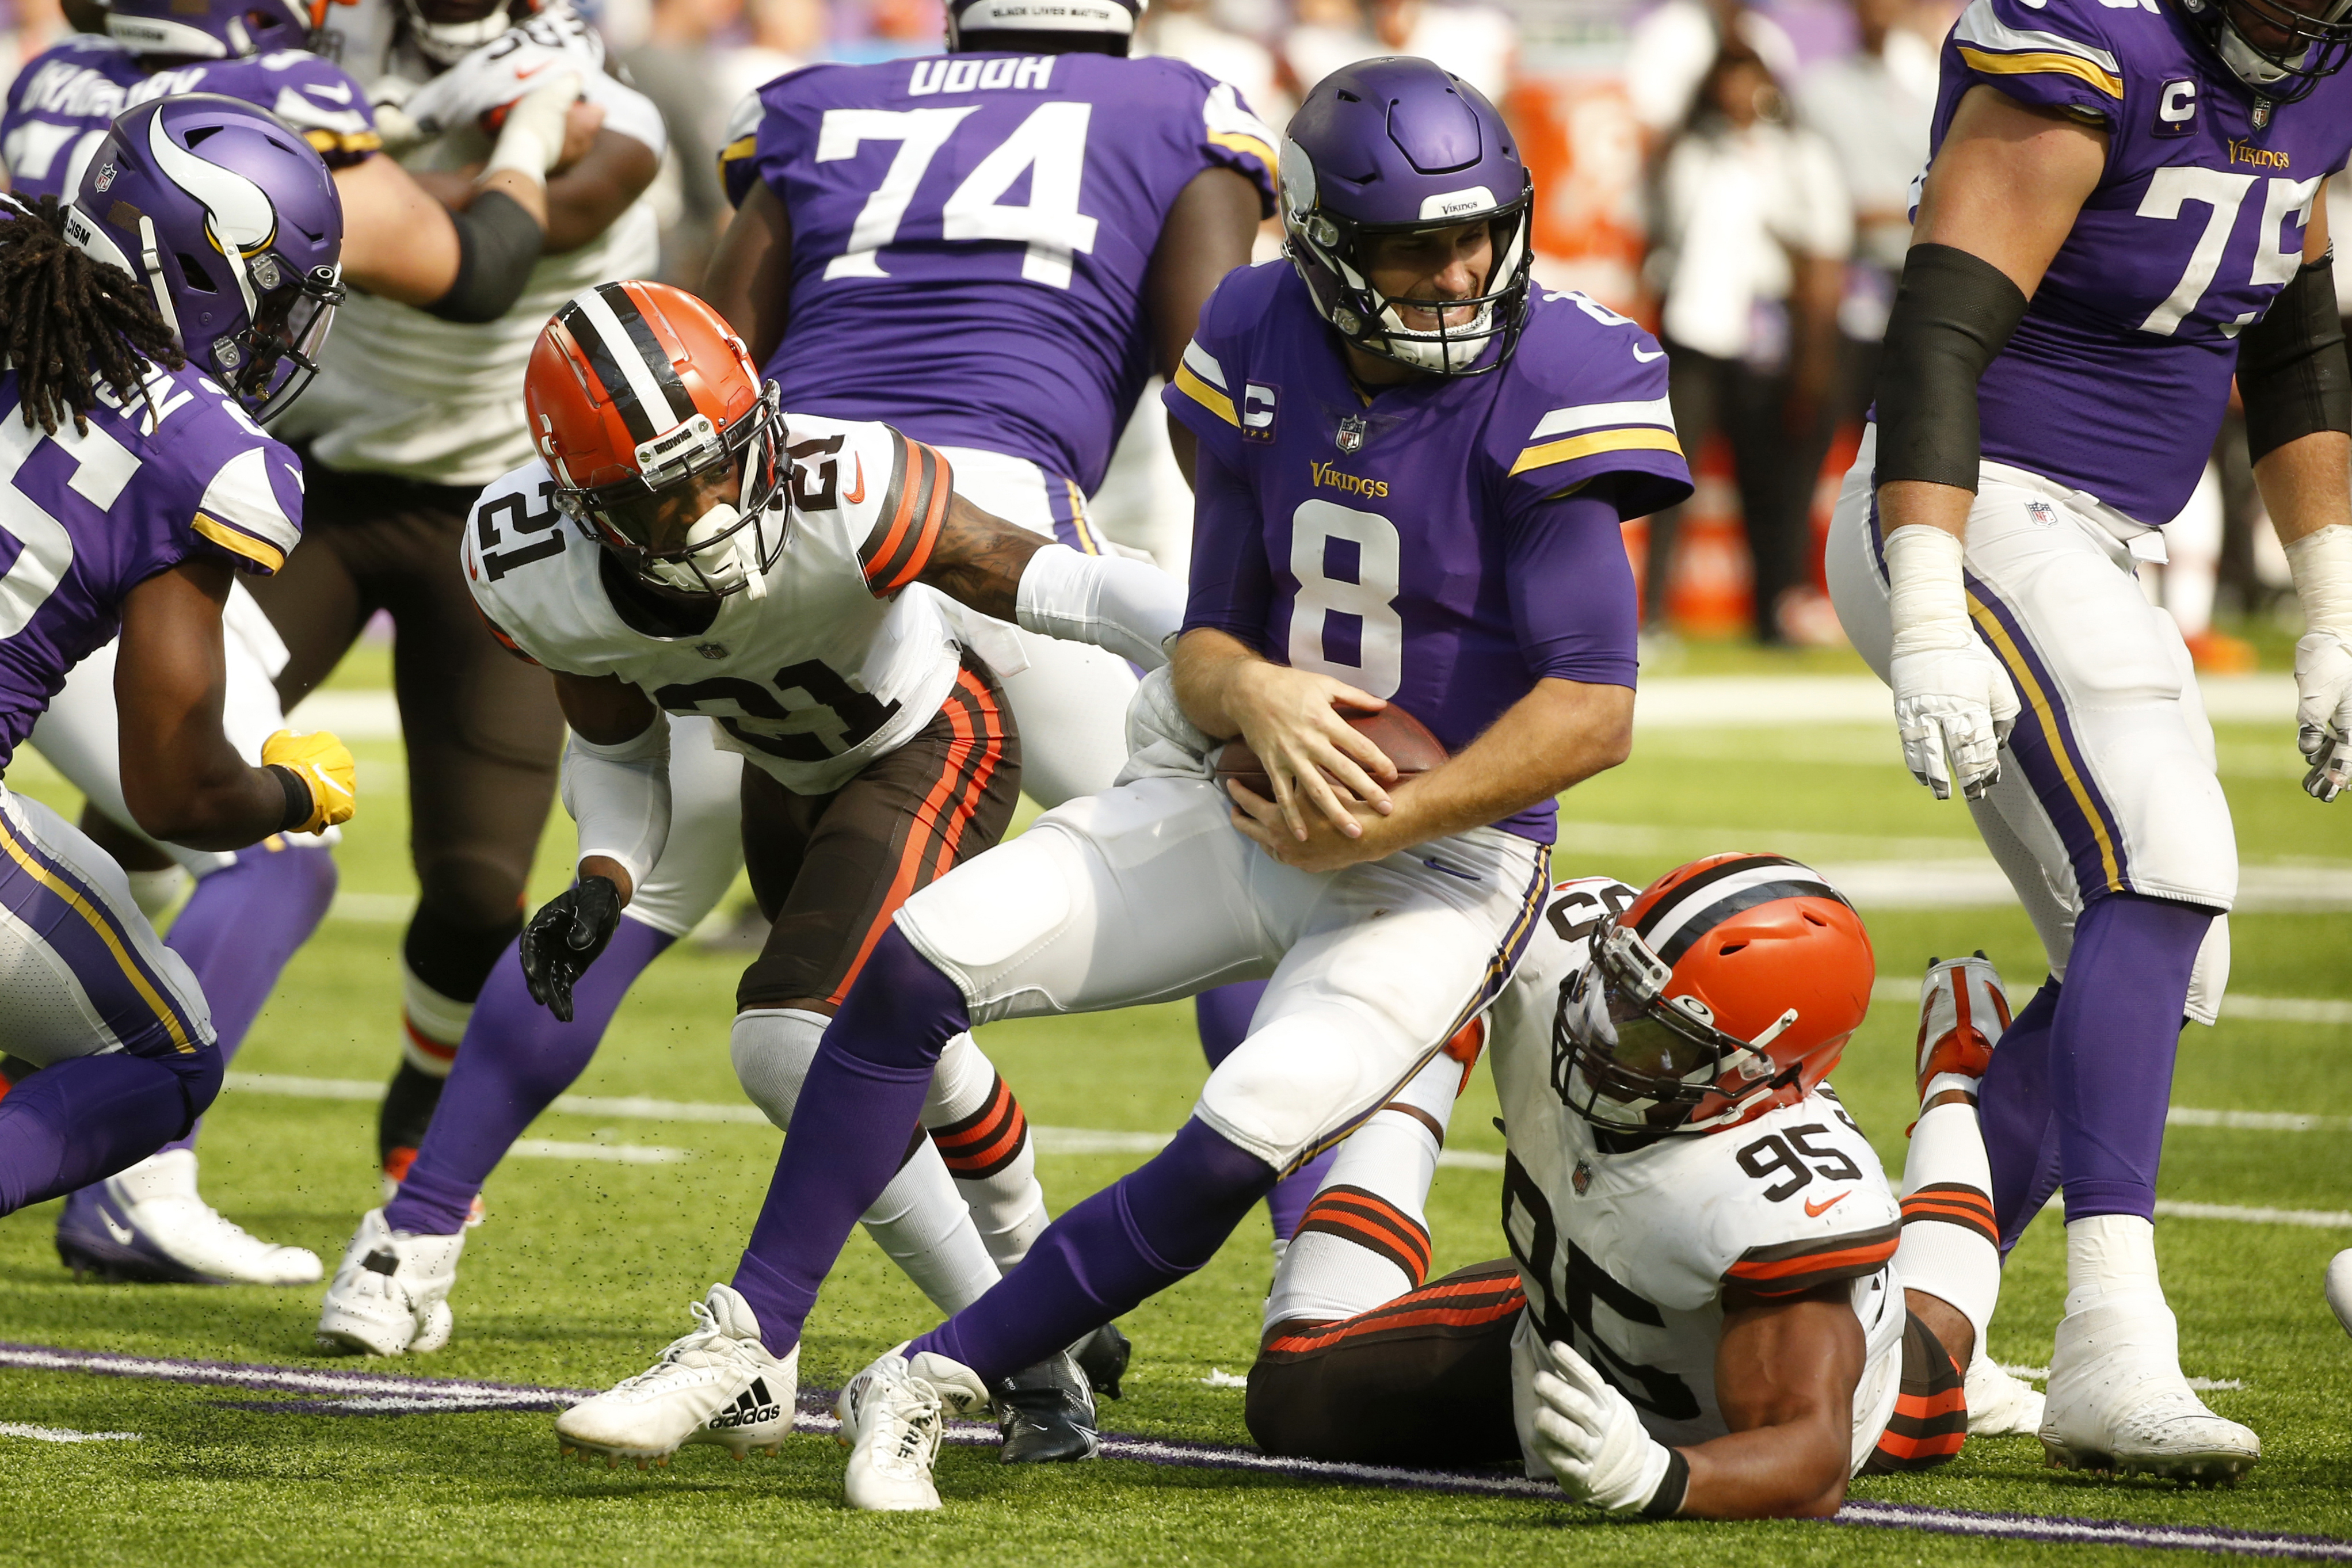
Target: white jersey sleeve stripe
{"type": "Point", "coordinates": [1199, 361]}
{"type": "Point", "coordinates": [1601, 416]}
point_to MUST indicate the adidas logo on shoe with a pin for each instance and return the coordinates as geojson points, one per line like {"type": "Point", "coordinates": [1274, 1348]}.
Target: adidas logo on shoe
{"type": "Point", "coordinates": [754, 1405]}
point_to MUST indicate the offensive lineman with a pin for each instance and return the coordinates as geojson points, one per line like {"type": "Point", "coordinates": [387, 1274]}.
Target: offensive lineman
{"type": "Point", "coordinates": [2120, 212]}
{"type": "Point", "coordinates": [942, 332]}
{"type": "Point", "coordinates": [254, 908]}
{"type": "Point", "coordinates": [1394, 523]}
{"type": "Point", "coordinates": [1725, 1322]}
{"type": "Point", "coordinates": [412, 416]}
{"type": "Point", "coordinates": [757, 568]}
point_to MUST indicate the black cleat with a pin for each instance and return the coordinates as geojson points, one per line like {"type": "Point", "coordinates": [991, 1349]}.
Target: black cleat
{"type": "Point", "coordinates": [1047, 1414]}
{"type": "Point", "coordinates": [1103, 1356]}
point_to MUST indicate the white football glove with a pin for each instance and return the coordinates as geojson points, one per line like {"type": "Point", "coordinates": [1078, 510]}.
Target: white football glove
{"type": "Point", "coordinates": [480, 83]}
{"type": "Point", "coordinates": [1952, 698]}
{"type": "Point", "coordinates": [2323, 710]}
{"type": "Point", "coordinates": [1589, 1436]}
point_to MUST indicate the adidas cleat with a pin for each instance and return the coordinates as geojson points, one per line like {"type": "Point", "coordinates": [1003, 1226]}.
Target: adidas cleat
{"type": "Point", "coordinates": [391, 1292]}
{"type": "Point", "coordinates": [147, 1225]}
{"type": "Point", "coordinates": [1963, 1011]}
{"type": "Point", "coordinates": [2117, 1401]}
{"type": "Point", "coordinates": [1047, 1415]}
{"type": "Point", "coordinates": [893, 1417]}
{"type": "Point", "coordinates": [1103, 1357]}
{"type": "Point", "coordinates": [718, 1384]}
{"type": "Point", "coordinates": [1999, 1404]}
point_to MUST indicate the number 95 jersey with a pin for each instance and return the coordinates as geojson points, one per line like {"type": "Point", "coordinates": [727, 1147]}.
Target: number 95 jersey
{"type": "Point", "coordinates": [1625, 1251]}
{"type": "Point", "coordinates": [2116, 380]}
{"type": "Point", "coordinates": [842, 659]}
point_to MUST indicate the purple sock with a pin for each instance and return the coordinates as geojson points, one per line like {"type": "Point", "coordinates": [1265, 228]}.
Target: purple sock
{"type": "Point", "coordinates": [860, 1107]}
{"type": "Point", "coordinates": [1223, 1016]}
{"type": "Point", "coordinates": [82, 1120]}
{"type": "Point", "coordinates": [2020, 1128]}
{"type": "Point", "coordinates": [1100, 1260]}
{"type": "Point", "coordinates": [2113, 1042]}
{"type": "Point", "coordinates": [513, 1062]}
{"type": "Point", "coordinates": [241, 925]}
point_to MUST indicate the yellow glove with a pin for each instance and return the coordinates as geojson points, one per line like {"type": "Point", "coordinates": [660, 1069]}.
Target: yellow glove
{"type": "Point", "coordinates": [323, 765]}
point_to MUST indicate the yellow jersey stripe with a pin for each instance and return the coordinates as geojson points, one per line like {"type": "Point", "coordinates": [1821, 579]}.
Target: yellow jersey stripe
{"type": "Point", "coordinates": [2045, 62]}
{"type": "Point", "coordinates": [2039, 701]}
{"type": "Point", "coordinates": [97, 923]}
{"type": "Point", "coordinates": [344, 141]}
{"type": "Point", "coordinates": [1644, 439]}
{"type": "Point", "coordinates": [741, 148]}
{"type": "Point", "coordinates": [1078, 526]}
{"type": "Point", "coordinates": [1246, 145]}
{"type": "Point", "coordinates": [1207, 396]}
{"type": "Point", "coordinates": [262, 553]}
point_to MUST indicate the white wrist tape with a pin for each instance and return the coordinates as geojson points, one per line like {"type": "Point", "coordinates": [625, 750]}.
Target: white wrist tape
{"type": "Point", "coordinates": [1126, 606]}
{"type": "Point", "coordinates": [531, 140]}
{"type": "Point", "coordinates": [2322, 564]}
{"type": "Point", "coordinates": [1927, 599]}
{"type": "Point", "coordinates": [619, 795]}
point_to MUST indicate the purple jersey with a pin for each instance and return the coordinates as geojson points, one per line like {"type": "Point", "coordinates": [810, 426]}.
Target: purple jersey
{"type": "Point", "coordinates": [60, 105]}
{"type": "Point", "coordinates": [1445, 543]}
{"type": "Point", "coordinates": [2116, 380]}
{"type": "Point", "coordinates": [87, 516]}
{"type": "Point", "coordinates": [970, 241]}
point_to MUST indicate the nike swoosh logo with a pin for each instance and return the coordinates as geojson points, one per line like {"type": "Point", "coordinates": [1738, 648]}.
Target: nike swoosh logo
{"type": "Point", "coordinates": [1815, 1211]}
{"type": "Point", "coordinates": [122, 1233]}
{"type": "Point", "coordinates": [857, 494]}
{"type": "Point", "coordinates": [1645, 359]}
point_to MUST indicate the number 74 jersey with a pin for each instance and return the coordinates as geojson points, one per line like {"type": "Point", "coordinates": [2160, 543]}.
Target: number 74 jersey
{"type": "Point", "coordinates": [842, 659]}
{"type": "Point", "coordinates": [2117, 379]}
{"type": "Point", "coordinates": [1625, 1252]}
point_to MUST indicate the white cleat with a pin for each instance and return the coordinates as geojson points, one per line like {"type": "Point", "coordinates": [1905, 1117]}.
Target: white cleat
{"type": "Point", "coordinates": [2340, 1288]}
{"type": "Point", "coordinates": [718, 1384]}
{"type": "Point", "coordinates": [391, 1293]}
{"type": "Point", "coordinates": [148, 1223]}
{"type": "Point", "coordinates": [1963, 1011]}
{"type": "Point", "coordinates": [2001, 1406]}
{"type": "Point", "coordinates": [893, 1417]}
{"type": "Point", "coordinates": [2117, 1400]}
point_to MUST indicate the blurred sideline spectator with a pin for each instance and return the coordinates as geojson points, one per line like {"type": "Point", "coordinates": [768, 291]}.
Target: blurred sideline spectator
{"type": "Point", "coordinates": [786, 34]}
{"type": "Point", "coordinates": [1189, 30]}
{"type": "Point", "coordinates": [674, 66]}
{"type": "Point", "coordinates": [1672, 47]}
{"type": "Point", "coordinates": [1476, 43]}
{"type": "Point", "coordinates": [31, 27]}
{"type": "Point", "coordinates": [1752, 229]}
{"type": "Point", "coordinates": [1324, 36]}
{"type": "Point", "coordinates": [888, 30]}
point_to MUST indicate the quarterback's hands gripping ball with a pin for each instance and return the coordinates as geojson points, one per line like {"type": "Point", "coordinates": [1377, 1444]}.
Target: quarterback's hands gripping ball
{"type": "Point", "coordinates": [323, 764]}
{"type": "Point", "coordinates": [2323, 710]}
{"type": "Point", "coordinates": [1958, 702]}
{"type": "Point", "coordinates": [564, 937]}
{"type": "Point", "coordinates": [1589, 1436]}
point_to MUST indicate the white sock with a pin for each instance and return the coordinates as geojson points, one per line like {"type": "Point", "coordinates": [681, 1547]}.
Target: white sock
{"type": "Point", "coordinates": [920, 1220]}
{"type": "Point", "coordinates": [1950, 1248]}
{"type": "Point", "coordinates": [431, 1025]}
{"type": "Point", "coordinates": [2109, 1254]}
{"type": "Point", "coordinates": [983, 1135]}
{"type": "Point", "coordinates": [1365, 1238]}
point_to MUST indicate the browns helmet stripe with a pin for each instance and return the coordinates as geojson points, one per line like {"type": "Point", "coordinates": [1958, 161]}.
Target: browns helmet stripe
{"type": "Point", "coordinates": [629, 360]}
{"type": "Point", "coordinates": [1676, 922]}
{"type": "Point", "coordinates": [1646, 925]}
{"type": "Point", "coordinates": [1723, 909]}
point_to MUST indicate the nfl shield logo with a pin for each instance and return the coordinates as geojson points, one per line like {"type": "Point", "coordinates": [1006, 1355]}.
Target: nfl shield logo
{"type": "Point", "coordinates": [1352, 435]}
{"type": "Point", "coordinates": [1581, 1177]}
{"type": "Point", "coordinates": [2262, 115]}
{"type": "Point", "coordinates": [105, 180]}
{"type": "Point", "coordinates": [2044, 514]}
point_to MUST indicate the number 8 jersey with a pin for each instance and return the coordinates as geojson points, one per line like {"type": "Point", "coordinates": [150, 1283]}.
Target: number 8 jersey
{"type": "Point", "coordinates": [842, 658]}
{"type": "Point", "coordinates": [2116, 380]}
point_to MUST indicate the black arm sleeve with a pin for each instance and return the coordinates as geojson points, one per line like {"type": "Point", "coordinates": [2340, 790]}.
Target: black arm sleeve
{"type": "Point", "coordinates": [1952, 316]}
{"type": "Point", "coordinates": [498, 245]}
{"type": "Point", "coordinates": [2292, 373]}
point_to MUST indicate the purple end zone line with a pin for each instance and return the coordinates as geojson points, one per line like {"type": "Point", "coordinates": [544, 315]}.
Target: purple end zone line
{"type": "Point", "coordinates": [335, 1392]}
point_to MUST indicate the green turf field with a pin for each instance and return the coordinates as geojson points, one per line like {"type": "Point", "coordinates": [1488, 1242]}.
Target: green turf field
{"type": "Point", "coordinates": [585, 1267]}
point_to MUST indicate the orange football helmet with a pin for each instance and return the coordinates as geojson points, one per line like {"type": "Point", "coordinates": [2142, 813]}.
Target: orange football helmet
{"type": "Point", "coordinates": [1728, 987]}
{"type": "Point", "coordinates": [666, 448]}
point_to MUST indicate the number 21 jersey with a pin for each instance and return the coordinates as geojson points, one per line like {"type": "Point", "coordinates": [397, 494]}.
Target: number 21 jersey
{"type": "Point", "coordinates": [2116, 380]}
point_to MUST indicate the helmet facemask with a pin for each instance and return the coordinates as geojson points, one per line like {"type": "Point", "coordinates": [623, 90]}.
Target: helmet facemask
{"type": "Point", "coordinates": [446, 43]}
{"type": "Point", "coordinates": [2317, 43]}
{"type": "Point", "coordinates": [704, 513]}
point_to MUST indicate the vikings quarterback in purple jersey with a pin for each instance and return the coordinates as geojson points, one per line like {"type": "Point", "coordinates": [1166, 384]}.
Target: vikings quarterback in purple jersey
{"type": "Point", "coordinates": [2121, 213]}
{"type": "Point", "coordinates": [1434, 517]}
{"type": "Point", "coordinates": [139, 487]}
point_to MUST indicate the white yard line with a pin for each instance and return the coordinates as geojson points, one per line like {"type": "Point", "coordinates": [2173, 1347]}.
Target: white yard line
{"type": "Point", "coordinates": [2312, 1219]}
{"type": "Point", "coordinates": [610, 1154]}
{"type": "Point", "coordinates": [63, 1434]}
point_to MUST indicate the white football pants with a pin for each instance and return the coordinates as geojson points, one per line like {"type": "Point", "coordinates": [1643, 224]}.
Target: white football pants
{"type": "Point", "coordinates": [1146, 893]}
{"type": "Point", "coordinates": [2108, 783]}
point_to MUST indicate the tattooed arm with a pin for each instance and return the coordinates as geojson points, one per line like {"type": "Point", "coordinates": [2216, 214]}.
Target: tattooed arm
{"type": "Point", "coordinates": [1001, 570]}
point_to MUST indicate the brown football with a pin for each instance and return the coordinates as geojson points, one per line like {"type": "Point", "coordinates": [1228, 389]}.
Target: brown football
{"type": "Point", "coordinates": [1402, 739]}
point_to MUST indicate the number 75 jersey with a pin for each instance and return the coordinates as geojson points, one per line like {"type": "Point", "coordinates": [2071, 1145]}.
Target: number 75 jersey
{"type": "Point", "coordinates": [843, 658]}
{"type": "Point", "coordinates": [2116, 381]}
{"type": "Point", "coordinates": [1625, 1252]}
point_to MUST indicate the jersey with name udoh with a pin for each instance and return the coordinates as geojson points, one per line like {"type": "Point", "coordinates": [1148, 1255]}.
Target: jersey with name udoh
{"type": "Point", "coordinates": [1418, 543]}
{"type": "Point", "coordinates": [971, 235]}
{"type": "Point", "coordinates": [2116, 380]}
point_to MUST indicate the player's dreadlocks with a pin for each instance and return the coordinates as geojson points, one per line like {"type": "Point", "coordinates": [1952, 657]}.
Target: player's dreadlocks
{"type": "Point", "coordinates": [70, 321]}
